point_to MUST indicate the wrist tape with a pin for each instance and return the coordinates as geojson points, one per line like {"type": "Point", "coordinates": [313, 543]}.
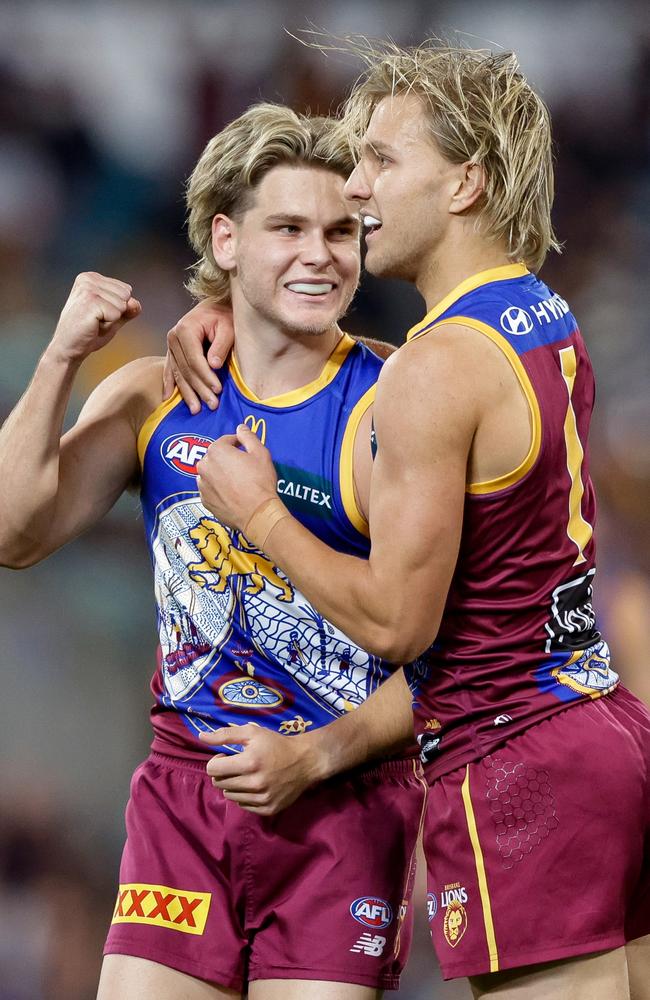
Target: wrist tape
{"type": "Point", "coordinates": [263, 520]}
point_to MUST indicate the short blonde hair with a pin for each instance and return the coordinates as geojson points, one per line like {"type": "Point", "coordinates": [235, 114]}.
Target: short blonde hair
{"type": "Point", "coordinates": [481, 109]}
{"type": "Point", "coordinates": [234, 162]}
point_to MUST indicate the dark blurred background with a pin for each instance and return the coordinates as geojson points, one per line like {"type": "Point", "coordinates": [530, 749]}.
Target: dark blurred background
{"type": "Point", "coordinates": [104, 108]}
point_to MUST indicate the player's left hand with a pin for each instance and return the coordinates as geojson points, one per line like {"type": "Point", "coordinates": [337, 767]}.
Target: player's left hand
{"type": "Point", "coordinates": [235, 477]}
{"type": "Point", "coordinates": [271, 771]}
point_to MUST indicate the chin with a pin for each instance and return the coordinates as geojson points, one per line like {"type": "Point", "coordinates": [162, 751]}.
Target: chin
{"type": "Point", "coordinates": [313, 328]}
{"type": "Point", "coordinates": [382, 268]}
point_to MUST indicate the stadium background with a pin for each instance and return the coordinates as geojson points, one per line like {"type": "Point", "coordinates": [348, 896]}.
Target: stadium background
{"type": "Point", "coordinates": [104, 108]}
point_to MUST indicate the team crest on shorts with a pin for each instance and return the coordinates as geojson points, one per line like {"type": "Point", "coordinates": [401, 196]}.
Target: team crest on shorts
{"type": "Point", "coordinates": [455, 923]}
{"type": "Point", "coordinates": [372, 912]}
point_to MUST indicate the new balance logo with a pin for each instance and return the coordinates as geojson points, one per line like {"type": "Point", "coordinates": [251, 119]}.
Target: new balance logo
{"type": "Point", "coordinates": [370, 944]}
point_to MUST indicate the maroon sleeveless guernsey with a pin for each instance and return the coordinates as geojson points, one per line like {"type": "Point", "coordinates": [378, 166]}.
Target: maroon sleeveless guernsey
{"type": "Point", "coordinates": [518, 639]}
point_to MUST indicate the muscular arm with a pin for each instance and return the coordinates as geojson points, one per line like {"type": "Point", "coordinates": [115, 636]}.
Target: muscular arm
{"type": "Point", "coordinates": [425, 417]}
{"type": "Point", "coordinates": [54, 487]}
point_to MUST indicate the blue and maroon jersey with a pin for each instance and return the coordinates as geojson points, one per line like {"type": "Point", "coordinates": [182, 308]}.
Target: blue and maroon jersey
{"type": "Point", "coordinates": [518, 638]}
{"type": "Point", "coordinates": [238, 642]}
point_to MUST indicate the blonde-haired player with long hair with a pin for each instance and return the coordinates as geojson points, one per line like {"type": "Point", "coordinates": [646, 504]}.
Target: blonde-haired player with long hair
{"type": "Point", "coordinates": [482, 561]}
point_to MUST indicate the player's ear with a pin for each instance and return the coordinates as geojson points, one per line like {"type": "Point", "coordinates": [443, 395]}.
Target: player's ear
{"type": "Point", "coordinates": [472, 181]}
{"type": "Point", "coordinates": [224, 242]}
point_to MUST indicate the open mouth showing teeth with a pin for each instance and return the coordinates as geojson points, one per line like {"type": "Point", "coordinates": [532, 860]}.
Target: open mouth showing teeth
{"type": "Point", "coordinates": [370, 224]}
{"type": "Point", "coordinates": [308, 288]}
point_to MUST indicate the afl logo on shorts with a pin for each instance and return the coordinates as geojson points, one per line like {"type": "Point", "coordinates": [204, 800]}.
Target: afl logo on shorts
{"type": "Point", "coordinates": [516, 321]}
{"type": "Point", "coordinates": [371, 912]}
{"type": "Point", "coordinates": [182, 452]}
{"type": "Point", "coordinates": [432, 905]}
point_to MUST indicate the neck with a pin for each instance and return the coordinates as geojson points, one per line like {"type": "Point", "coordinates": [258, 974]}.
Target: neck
{"type": "Point", "coordinates": [463, 254]}
{"type": "Point", "coordinates": [273, 361]}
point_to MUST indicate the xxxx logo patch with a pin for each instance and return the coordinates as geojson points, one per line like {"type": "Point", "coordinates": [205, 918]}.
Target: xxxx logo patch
{"type": "Point", "coordinates": [162, 906]}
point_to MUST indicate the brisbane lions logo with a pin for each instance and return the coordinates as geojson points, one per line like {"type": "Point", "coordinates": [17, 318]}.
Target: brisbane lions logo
{"type": "Point", "coordinates": [455, 923]}
{"type": "Point", "coordinates": [226, 557]}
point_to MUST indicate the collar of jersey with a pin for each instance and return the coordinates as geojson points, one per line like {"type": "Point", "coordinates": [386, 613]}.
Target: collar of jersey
{"type": "Point", "coordinates": [295, 396]}
{"type": "Point", "coordinates": [504, 273]}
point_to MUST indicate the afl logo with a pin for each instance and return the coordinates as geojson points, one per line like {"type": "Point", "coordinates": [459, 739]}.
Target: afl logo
{"type": "Point", "coordinates": [516, 321]}
{"type": "Point", "coordinates": [182, 452]}
{"type": "Point", "coordinates": [432, 905]}
{"type": "Point", "coordinates": [371, 912]}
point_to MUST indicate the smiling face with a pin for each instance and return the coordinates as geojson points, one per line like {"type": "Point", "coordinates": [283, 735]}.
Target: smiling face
{"type": "Point", "coordinates": [293, 256]}
{"type": "Point", "coordinates": [403, 183]}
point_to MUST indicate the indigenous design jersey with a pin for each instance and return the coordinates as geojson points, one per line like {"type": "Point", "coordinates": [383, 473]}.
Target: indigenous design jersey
{"type": "Point", "coordinates": [518, 641]}
{"type": "Point", "coordinates": [238, 642]}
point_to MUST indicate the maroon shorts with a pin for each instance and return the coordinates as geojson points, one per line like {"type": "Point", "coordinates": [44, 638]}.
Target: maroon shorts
{"type": "Point", "coordinates": [541, 851]}
{"type": "Point", "coordinates": [320, 891]}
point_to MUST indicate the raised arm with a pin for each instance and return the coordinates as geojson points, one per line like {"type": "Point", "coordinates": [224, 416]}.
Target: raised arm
{"type": "Point", "coordinates": [57, 487]}
{"type": "Point", "coordinates": [425, 418]}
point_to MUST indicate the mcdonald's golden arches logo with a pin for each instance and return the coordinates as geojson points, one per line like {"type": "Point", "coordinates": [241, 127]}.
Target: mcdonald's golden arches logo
{"type": "Point", "coordinates": [257, 425]}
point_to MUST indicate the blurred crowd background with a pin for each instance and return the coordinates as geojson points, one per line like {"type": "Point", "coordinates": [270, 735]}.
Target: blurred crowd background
{"type": "Point", "coordinates": [104, 108]}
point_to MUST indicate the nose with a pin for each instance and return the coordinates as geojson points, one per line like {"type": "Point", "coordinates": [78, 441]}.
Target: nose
{"type": "Point", "coordinates": [357, 187]}
{"type": "Point", "coordinates": [316, 250]}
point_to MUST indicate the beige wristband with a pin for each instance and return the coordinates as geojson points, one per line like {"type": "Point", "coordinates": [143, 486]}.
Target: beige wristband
{"type": "Point", "coordinates": [263, 520]}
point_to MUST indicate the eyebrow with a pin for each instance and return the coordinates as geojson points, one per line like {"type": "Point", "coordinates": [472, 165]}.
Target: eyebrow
{"type": "Point", "coordinates": [293, 219]}
{"type": "Point", "coordinates": [378, 146]}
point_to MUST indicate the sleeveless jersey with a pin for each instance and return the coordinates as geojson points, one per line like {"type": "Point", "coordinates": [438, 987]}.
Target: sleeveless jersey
{"type": "Point", "coordinates": [238, 642]}
{"type": "Point", "coordinates": [517, 641]}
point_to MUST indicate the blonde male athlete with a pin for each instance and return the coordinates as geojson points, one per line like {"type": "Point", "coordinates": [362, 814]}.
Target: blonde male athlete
{"type": "Point", "coordinates": [482, 560]}
{"type": "Point", "coordinates": [213, 901]}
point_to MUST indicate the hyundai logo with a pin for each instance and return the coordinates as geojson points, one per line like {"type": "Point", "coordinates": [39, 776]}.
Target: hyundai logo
{"type": "Point", "coordinates": [516, 321]}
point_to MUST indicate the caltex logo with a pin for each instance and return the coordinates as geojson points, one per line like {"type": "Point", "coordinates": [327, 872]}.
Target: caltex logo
{"type": "Point", "coordinates": [516, 321]}
{"type": "Point", "coordinates": [182, 452]}
{"type": "Point", "coordinates": [371, 912]}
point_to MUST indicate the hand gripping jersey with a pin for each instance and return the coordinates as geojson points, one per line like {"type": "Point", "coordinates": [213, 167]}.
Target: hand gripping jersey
{"type": "Point", "coordinates": [238, 642]}
{"type": "Point", "coordinates": [518, 641]}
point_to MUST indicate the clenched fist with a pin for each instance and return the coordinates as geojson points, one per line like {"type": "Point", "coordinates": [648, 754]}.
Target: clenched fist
{"type": "Point", "coordinates": [96, 309]}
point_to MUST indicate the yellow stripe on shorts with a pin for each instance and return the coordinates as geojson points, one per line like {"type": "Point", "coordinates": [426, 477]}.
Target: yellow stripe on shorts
{"type": "Point", "coordinates": [480, 871]}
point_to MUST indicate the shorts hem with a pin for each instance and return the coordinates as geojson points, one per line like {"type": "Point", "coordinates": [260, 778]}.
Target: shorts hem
{"type": "Point", "coordinates": [519, 960]}
{"type": "Point", "coordinates": [381, 982]}
{"type": "Point", "coordinates": [177, 962]}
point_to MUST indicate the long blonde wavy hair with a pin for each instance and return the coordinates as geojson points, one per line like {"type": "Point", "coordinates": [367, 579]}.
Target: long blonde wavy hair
{"type": "Point", "coordinates": [234, 162]}
{"type": "Point", "coordinates": [481, 110]}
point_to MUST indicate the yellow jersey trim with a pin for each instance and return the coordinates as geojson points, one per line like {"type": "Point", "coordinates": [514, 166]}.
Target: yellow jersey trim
{"type": "Point", "coordinates": [509, 478]}
{"type": "Point", "coordinates": [152, 421]}
{"type": "Point", "coordinates": [346, 462]}
{"type": "Point", "coordinates": [502, 273]}
{"type": "Point", "coordinates": [481, 874]}
{"type": "Point", "coordinates": [295, 396]}
{"type": "Point", "coordinates": [578, 529]}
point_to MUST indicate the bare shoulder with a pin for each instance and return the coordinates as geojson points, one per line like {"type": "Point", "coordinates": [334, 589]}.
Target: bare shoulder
{"type": "Point", "coordinates": [133, 391]}
{"type": "Point", "coordinates": [454, 367]}
{"type": "Point", "coordinates": [428, 385]}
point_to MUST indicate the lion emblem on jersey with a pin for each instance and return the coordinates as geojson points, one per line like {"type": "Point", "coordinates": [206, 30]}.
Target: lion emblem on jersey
{"type": "Point", "coordinates": [455, 923]}
{"type": "Point", "coordinates": [227, 556]}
